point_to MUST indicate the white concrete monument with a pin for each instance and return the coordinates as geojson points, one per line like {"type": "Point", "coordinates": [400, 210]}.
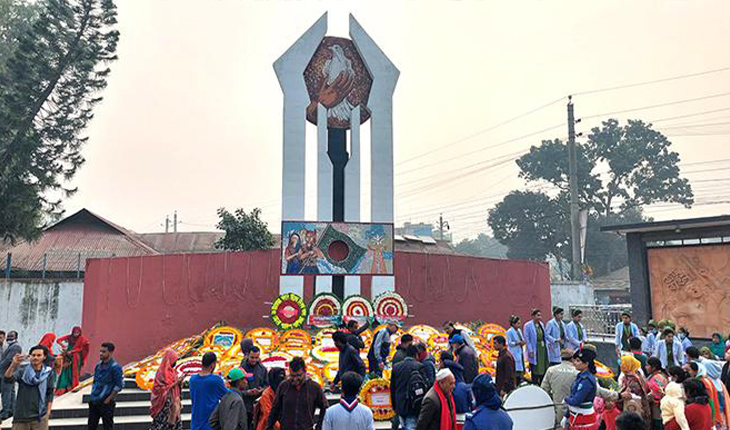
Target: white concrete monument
{"type": "Point", "coordinates": [337, 84]}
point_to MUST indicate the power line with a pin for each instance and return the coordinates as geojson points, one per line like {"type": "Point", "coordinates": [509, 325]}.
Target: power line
{"type": "Point", "coordinates": [654, 81]}
{"type": "Point", "coordinates": [690, 115]}
{"type": "Point", "coordinates": [490, 128]}
{"type": "Point", "coordinates": [460, 169]}
{"type": "Point", "coordinates": [676, 102]}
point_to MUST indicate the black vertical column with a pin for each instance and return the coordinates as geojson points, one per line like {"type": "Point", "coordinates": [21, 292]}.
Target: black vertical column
{"type": "Point", "coordinates": [337, 152]}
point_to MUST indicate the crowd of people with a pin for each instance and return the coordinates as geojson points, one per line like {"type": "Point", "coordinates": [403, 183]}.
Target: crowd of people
{"type": "Point", "coordinates": [40, 375]}
{"type": "Point", "coordinates": [664, 382]}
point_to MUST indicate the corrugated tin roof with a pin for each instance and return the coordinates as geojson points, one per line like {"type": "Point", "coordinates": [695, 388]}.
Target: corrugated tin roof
{"type": "Point", "coordinates": [616, 280]}
{"type": "Point", "coordinates": [82, 235]}
{"type": "Point", "coordinates": [182, 242]}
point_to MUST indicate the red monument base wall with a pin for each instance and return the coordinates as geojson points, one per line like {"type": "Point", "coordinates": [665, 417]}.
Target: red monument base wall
{"type": "Point", "coordinates": [144, 303]}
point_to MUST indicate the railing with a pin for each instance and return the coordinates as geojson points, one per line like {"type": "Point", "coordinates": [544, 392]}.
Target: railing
{"type": "Point", "coordinates": [600, 320]}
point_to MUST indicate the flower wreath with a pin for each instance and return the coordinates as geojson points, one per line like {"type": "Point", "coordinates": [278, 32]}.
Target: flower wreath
{"type": "Point", "coordinates": [390, 307]}
{"type": "Point", "coordinates": [288, 311]}
{"type": "Point", "coordinates": [378, 389]}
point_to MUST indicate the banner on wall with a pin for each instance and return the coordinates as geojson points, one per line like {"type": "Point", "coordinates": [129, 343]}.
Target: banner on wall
{"type": "Point", "coordinates": [335, 248]}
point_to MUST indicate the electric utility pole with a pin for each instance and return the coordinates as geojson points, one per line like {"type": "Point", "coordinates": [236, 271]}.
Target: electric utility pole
{"type": "Point", "coordinates": [573, 171]}
{"type": "Point", "coordinates": [443, 225]}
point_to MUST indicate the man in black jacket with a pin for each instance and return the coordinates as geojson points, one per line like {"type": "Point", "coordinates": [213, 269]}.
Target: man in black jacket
{"type": "Point", "coordinates": [466, 356]}
{"type": "Point", "coordinates": [257, 382]}
{"type": "Point", "coordinates": [350, 360]}
{"type": "Point", "coordinates": [353, 334]}
{"type": "Point", "coordinates": [399, 381]}
{"type": "Point", "coordinates": [400, 351]}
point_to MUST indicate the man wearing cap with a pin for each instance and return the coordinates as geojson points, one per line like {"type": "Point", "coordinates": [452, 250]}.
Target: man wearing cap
{"type": "Point", "coordinates": [489, 414]}
{"type": "Point", "coordinates": [437, 408]}
{"type": "Point", "coordinates": [625, 330]}
{"type": "Point", "coordinates": [466, 356]}
{"type": "Point", "coordinates": [230, 414]}
{"type": "Point", "coordinates": [558, 380]}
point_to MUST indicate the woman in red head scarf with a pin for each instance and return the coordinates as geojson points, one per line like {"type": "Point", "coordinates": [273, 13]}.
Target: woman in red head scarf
{"type": "Point", "coordinates": [166, 405]}
{"type": "Point", "coordinates": [47, 340]}
{"type": "Point", "coordinates": [75, 349]}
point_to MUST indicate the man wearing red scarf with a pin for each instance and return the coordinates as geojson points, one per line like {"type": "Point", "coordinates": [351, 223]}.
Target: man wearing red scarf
{"type": "Point", "coordinates": [437, 408]}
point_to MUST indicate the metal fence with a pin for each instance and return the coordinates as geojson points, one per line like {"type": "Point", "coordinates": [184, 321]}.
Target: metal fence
{"type": "Point", "coordinates": [600, 320]}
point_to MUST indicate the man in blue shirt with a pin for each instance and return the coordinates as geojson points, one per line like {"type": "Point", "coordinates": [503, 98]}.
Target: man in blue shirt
{"type": "Point", "coordinates": [108, 382]}
{"type": "Point", "coordinates": [206, 390]}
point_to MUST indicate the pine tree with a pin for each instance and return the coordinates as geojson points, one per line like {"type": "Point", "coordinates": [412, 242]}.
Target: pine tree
{"type": "Point", "coordinates": [48, 90]}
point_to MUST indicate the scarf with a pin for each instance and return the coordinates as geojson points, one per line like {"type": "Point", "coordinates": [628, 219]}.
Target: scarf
{"type": "Point", "coordinates": [629, 364]}
{"type": "Point", "coordinates": [47, 341]}
{"type": "Point", "coordinates": [165, 384]}
{"type": "Point", "coordinates": [40, 380]}
{"type": "Point", "coordinates": [448, 416]}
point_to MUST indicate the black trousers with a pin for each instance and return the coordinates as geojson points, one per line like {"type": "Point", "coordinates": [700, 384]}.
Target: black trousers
{"type": "Point", "coordinates": [105, 412]}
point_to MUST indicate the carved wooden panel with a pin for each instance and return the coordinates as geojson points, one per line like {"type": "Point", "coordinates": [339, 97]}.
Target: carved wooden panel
{"type": "Point", "coordinates": [691, 286]}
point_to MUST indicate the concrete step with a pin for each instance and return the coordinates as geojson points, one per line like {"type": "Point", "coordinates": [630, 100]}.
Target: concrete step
{"type": "Point", "coordinates": [123, 409]}
{"type": "Point", "coordinates": [136, 395]}
{"type": "Point", "coordinates": [137, 422]}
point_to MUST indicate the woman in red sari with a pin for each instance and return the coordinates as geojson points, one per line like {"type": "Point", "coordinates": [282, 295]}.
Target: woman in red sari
{"type": "Point", "coordinates": [166, 405]}
{"type": "Point", "coordinates": [75, 350]}
{"type": "Point", "coordinates": [48, 340]}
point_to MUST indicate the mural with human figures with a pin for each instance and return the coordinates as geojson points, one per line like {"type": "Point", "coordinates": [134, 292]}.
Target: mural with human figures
{"type": "Point", "coordinates": [322, 248]}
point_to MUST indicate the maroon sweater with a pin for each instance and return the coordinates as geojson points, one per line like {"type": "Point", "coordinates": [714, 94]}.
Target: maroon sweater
{"type": "Point", "coordinates": [698, 417]}
{"type": "Point", "coordinates": [294, 407]}
{"type": "Point", "coordinates": [505, 372]}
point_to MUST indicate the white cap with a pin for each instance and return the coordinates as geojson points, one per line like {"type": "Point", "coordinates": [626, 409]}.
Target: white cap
{"type": "Point", "coordinates": [443, 374]}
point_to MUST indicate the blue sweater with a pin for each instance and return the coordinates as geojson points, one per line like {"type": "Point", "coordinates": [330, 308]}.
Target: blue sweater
{"type": "Point", "coordinates": [485, 418]}
{"type": "Point", "coordinates": [463, 398]}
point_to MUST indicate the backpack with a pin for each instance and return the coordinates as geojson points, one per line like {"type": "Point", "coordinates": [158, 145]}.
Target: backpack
{"type": "Point", "coordinates": [415, 391]}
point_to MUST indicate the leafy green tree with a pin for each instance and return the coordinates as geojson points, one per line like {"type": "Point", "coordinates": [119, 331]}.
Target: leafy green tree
{"type": "Point", "coordinates": [244, 231]}
{"type": "Point", "coordinates": [16, 18]}
{"type": "Point", "coordinates": [482, 246]}
{"type": "Point", "coordinates": [48, 89]}
{"type": "Point", "coordinates": [531, 225]}
{"type": "Point", "coordinates": [620, 170]}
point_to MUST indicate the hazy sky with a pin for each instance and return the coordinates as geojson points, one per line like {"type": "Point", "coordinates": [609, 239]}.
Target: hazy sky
{"type": "Point", "coordinates": [192, 116]}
